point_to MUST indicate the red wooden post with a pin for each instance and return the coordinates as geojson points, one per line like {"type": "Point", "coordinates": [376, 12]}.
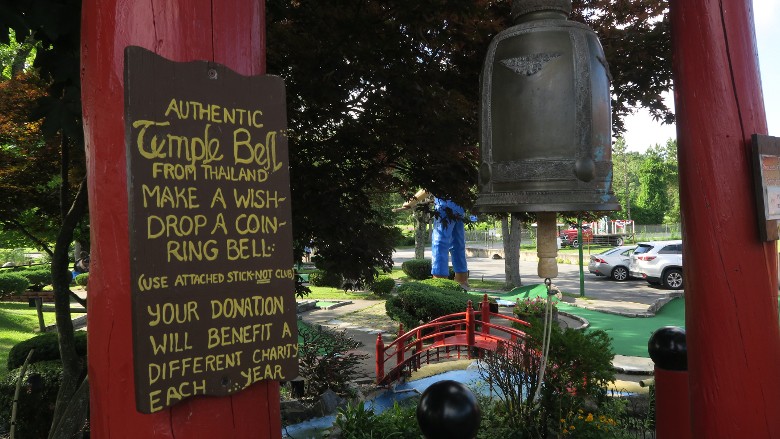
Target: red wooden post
{"type": "Point", "coordinates": [400, 346]}
{"type": "Point", "coordinates": [229, 32]}
{"type": "Point", "coordinates": [418, 347]}
{"type": "Point", "coordinates": [485, 314]}
{"type": "Point", "coordinates": [469, 327]}
{"type": "Point", "coordinates": [730, 275]}
{"type": "Point", "coordinates": [672, 408]}
{"type": "Point", "coordinates": [380, 358]}
{"type": "Point", "coordinates": [668, 350]}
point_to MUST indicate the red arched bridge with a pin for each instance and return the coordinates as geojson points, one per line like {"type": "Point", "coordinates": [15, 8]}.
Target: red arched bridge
{"type": "Point", "coordinates": [448, 337]}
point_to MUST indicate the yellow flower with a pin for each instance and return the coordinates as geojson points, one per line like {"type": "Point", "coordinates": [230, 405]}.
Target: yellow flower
{"type": "Point", "coordinates": [589, 418]}
{"type": "Point", "coordinates": [571, 427]}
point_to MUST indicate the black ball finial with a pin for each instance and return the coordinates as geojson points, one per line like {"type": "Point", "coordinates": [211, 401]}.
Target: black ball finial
{"type": "Point", "coordinates": [668, 349]}
{"type": "Point", "coordinates": [448, 410]}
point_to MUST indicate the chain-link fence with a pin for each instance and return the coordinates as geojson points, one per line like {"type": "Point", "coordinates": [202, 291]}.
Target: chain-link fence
{"type": "Point", "coordinates": [491, 238]}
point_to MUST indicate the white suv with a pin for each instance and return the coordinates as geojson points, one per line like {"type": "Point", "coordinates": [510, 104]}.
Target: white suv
{"type": "Point", "coordinates": [658, 262]}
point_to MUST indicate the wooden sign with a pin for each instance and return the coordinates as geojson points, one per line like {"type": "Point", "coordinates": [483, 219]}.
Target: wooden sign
{"type": "Point", "coordinates": [766, 173]}
{"type": "Point", "coordinates": [210, 236]}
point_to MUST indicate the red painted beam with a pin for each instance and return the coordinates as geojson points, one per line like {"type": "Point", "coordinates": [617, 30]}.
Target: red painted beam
{"type": "Point", "coordinates": [730, 275]}
{"type": "Point", "coordinates": [229, 32]}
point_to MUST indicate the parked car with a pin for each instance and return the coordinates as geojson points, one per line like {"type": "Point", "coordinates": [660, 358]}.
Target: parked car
{"type": "Point", "coordinates": [612, 263]}
{"type": "Point", "coordinates": [658, 262]}
{"type": "Point", "coordinates": [569, 236]}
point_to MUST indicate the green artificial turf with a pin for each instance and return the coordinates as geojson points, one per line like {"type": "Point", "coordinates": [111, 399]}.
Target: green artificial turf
{"type": "Point", "coordinates": [325, 303]}
{"type": "Point", "coordinates": [629, 334]}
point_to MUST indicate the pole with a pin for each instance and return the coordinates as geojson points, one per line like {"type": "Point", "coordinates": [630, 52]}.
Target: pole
{"type": "Point", "coordinates": [730, 275]}
{"type": "Point", "coordinates": [579, 248]}
{"type": "Point", "coordinates": [380, 358]}
{"type": "Point", "coordinates": [229, 32]}
{"type": "Point", "coordinates": [667, 348]}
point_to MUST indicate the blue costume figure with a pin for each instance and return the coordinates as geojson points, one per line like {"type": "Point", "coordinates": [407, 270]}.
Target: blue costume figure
{"type": "Point", "coordinates": [449, 238]}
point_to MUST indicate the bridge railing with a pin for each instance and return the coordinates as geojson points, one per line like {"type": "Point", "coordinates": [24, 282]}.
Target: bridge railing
{"type": "Point", "coordinates": [451, 331]}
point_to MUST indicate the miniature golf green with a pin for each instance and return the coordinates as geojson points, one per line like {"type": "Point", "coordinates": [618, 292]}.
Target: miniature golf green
{"type": "Point", "coordinates": [325, 303]}
{"type": "Point", "coordinates": [629, 334]}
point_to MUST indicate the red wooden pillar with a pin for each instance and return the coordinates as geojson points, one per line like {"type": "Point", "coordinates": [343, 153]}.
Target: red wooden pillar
{"type": "Point", "coordinates": [730, 275]}
{"type": "Point", "coordinates": [380, 358]}
{"type": "Point", "coordinates": [485, 309]}
{"type": "Point", "coordinates": [229, 32]}
{"type": "Point", "coordinates": [469, 327]}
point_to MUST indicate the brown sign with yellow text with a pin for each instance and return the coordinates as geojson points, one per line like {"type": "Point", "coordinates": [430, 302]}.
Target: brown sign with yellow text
{"type": "Point", "coordinates": [210, 236]}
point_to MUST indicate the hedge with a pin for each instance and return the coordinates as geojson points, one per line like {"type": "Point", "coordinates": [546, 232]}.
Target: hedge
{"type": "Point", "coordinates": [382, 286]}
{"type": "Point", "coordinates": [46, 348]}
{"type": "Point", "coordinates": [418, 303]}
{"type": "Point", "coordinates": [82, 279]}
{"type": "Point", "coordinates": [325, 279]}
{"type": "Point", "coordinates": [13, 283]}
{"type": "Point", "coordinates": [445, 284]}
{"type": "Point", "coordinates": [35, 407]}
{"type": "Point", "coordinates": [38, 277]}
{"type": "Point", "coordinates": [417, 269]}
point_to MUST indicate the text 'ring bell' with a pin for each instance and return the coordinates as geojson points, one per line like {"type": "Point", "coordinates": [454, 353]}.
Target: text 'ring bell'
{"type": "Point", "coordinates": [545, 116]}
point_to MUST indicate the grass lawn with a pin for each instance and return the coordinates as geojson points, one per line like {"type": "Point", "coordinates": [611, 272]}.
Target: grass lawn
{"type": "Point", "coordinates": [18, 322]}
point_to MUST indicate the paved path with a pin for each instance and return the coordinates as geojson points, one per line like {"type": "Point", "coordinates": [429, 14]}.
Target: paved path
{"type": "Point", "coordinates": [633, 297]}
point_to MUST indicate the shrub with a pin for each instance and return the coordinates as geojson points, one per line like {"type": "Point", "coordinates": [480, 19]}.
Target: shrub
{"type": "Point", "coordinates": [35, 407]}
{"type": "Point", "coordinates": [325, 361]}
{"type": "Point", "coordinates": [38, 277]}
{"type": "Point", "coordinates": [418, 303]}
{"type": "Point", "coordinates": [46, 348]}
{"type": "Point", "coordinates": [325, 279]}
{"type": "Point", "coordinates": [82, 279]}
{"type": "Point", "coordinates": [382, 286]}
{"type": "Point", "coordinates": [358, 422]}
{"type": "Point", "coordinates": [417, 269]}
{"type": "Point", "coordinates": [445, 284]}
{"type": "Point", "coordinates": [578, 370]}
{"type": "Point", "coordinates": [12, 283]}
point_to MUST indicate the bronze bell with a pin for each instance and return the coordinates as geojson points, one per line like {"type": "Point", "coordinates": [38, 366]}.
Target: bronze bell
{"type": "Point", "coordinates": [545, 116]}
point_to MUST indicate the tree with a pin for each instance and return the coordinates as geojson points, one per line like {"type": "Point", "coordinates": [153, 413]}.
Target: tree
{"type": "Point", "coordinates": [55, 25]}
{"type": "Point", "coordinates": [672, 214]}
{"type": "Point", "coordinates": [636, 38]}
{"type": "Point", "coordinates": [653, 199]}
{"type": "Point", "coordinates": [625, 180]}
{"type": "Point", "coordinates": [393, 109]}
{"type": "Point", "coordinates": [511, 229]}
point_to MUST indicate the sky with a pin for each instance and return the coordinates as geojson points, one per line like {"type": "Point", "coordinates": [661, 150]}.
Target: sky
{"type": "Point", "coordinates": [642, 131]}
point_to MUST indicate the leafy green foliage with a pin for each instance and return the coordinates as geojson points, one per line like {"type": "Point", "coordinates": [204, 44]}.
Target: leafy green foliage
{"type": "Point", "coordinates": [46, 348]}
{"type": "Point", "coordinates": [301, 290]}
{"type": "Point", "coordinates": [36, 400]}
{"type": "Point", "coordinates": [646, 184]}
{"type": "Point", "coordinates": [417, 269]}
{"type": "Point", "coordinates": [357, 422]}
{"type": "Point", "coordinates": [417, 303]}
{"type": "Point", "coordinates": [38, 277]}
{"type": "Point", "coordinates": [325, 279]}
{"type": "Point", "coordinates": [82, 279]}
{"type": "Point", "coordinates": [578, 370]}
{"type": "Point", "coordinates": [382, 286]}
{"type": "Point", "coordinates": [653, 198]}
{"type": "Point", "coordinates": [325, 361]}
{"type": "Point", "coordinates": [13, 283]}
{"type": "Point", "coordinates": [444, 284]}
